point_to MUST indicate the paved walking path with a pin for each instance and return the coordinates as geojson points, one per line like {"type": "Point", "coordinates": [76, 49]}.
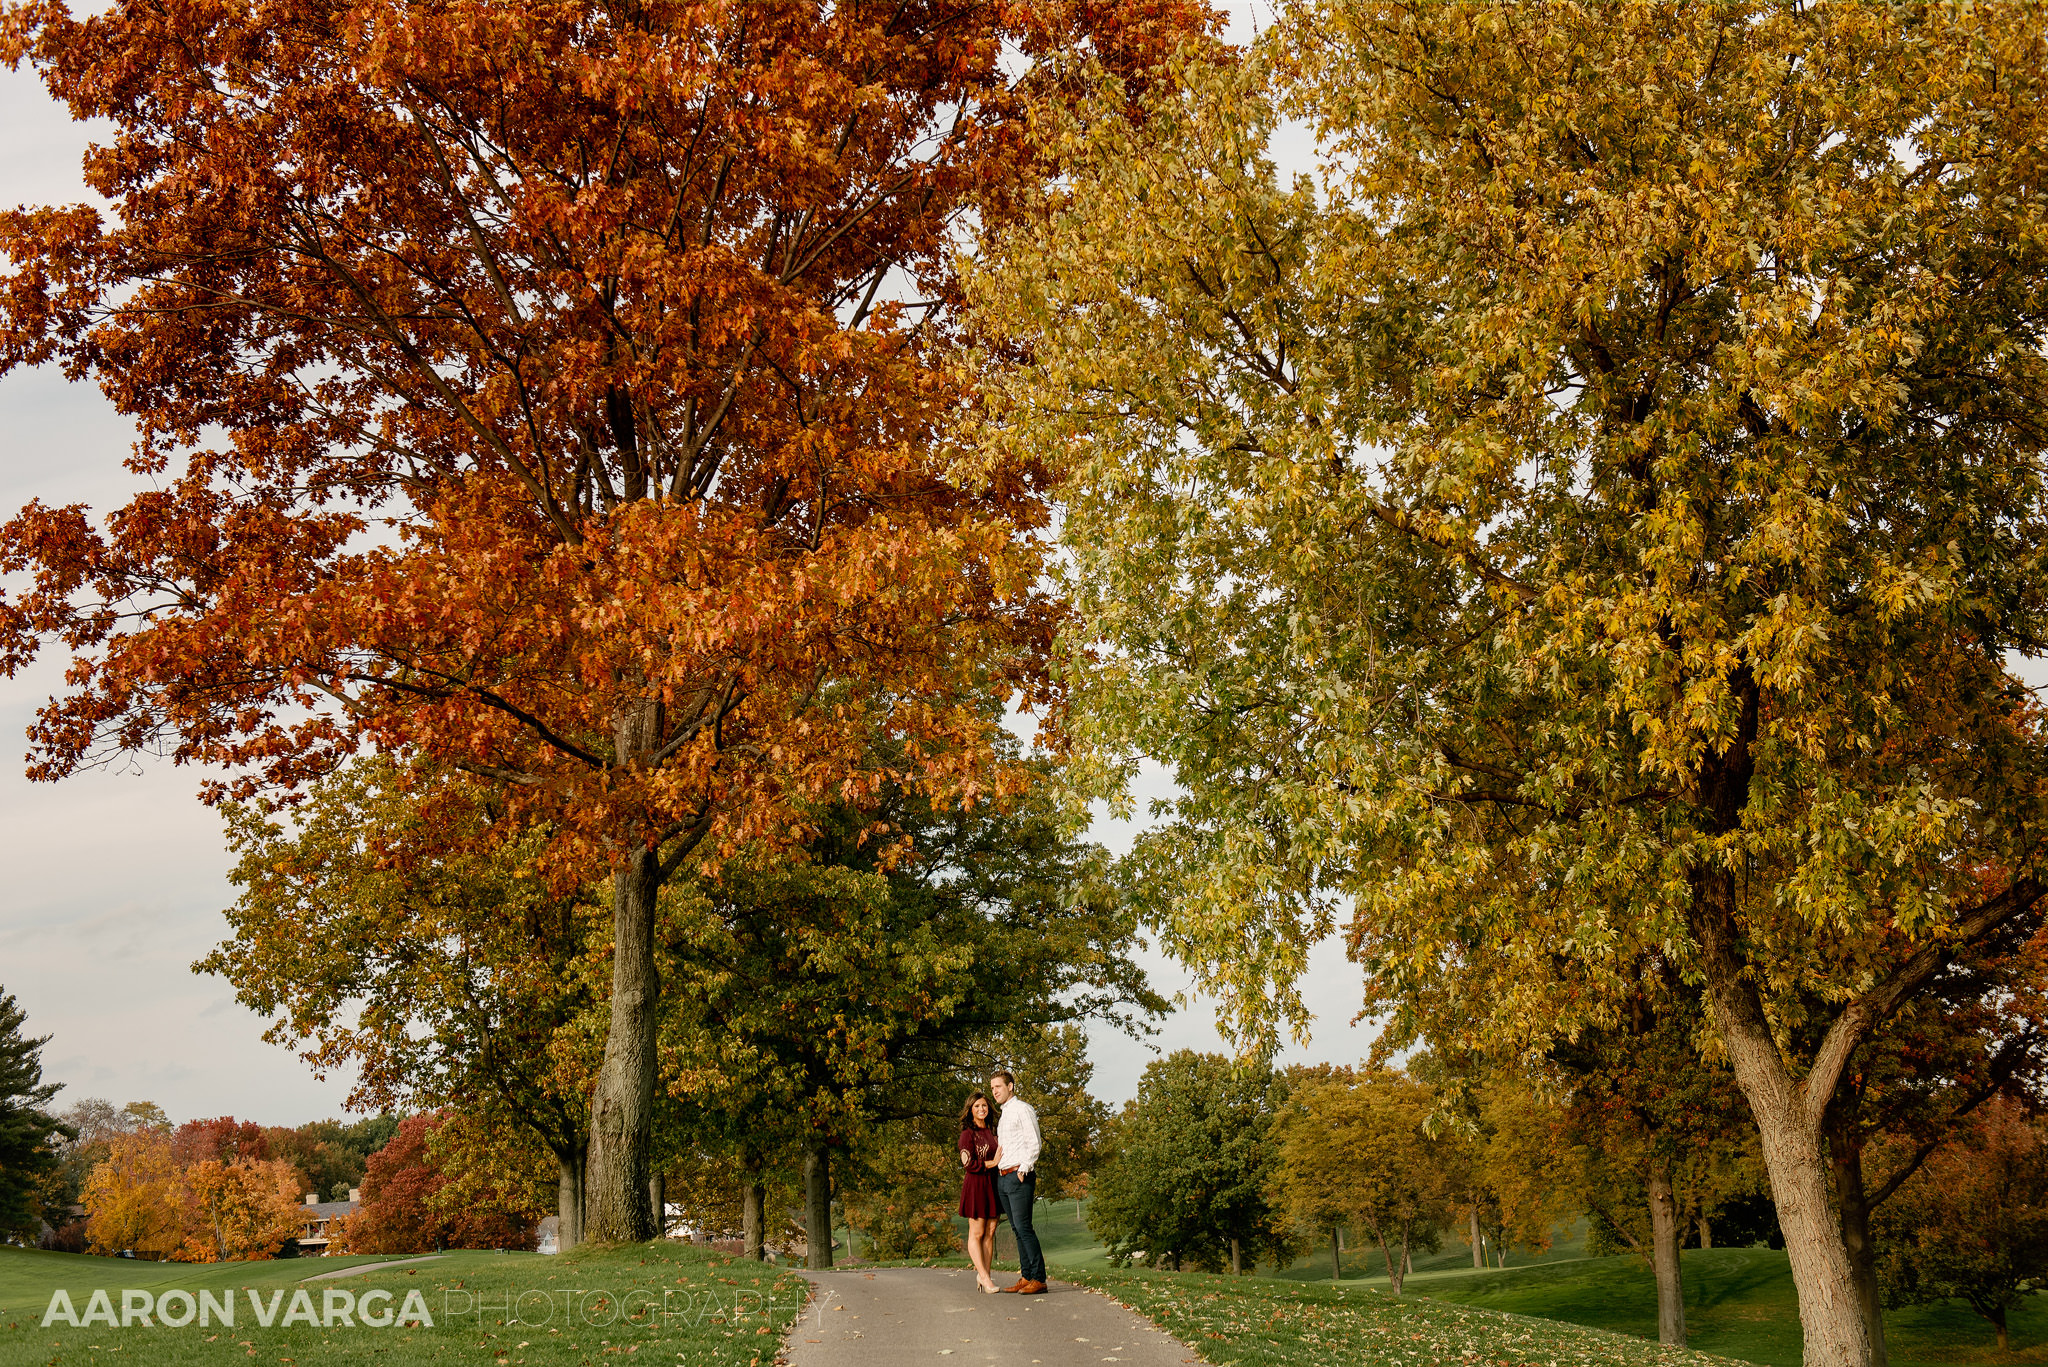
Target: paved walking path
{"type": "Point", "coordinates": [908, 1315]}
{"type": "Point", "coordinates": [361, 1268]}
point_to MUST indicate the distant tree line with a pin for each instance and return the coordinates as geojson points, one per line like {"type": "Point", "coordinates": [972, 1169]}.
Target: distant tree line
{"type": "Point", "coordinates": [1228, 1164]}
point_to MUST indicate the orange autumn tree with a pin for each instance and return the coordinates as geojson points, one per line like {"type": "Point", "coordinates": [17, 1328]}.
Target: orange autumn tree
{"type": "Point", "coordinates": [239, 1209]}
{"type": "Point", "coordinates": [203, 1194]}
{"type": "Point", "coordinates": [549, 390]}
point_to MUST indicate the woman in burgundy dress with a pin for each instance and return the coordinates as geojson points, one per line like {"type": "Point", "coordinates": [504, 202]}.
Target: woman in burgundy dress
{"type": "Point", "coordinates": [978, 1189]}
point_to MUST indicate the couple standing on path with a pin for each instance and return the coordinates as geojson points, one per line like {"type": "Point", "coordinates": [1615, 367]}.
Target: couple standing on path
{"type": "Point", "coordinates": [1001, 1158]}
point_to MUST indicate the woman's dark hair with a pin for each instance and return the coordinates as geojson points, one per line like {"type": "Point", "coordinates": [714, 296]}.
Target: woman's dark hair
{"type": "Point", "coordinates": [967, 1111]}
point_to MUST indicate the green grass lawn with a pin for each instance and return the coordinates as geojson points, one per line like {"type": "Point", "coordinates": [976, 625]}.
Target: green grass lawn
{"type": "Point", "coordinates": [1739, 1301]}
{"type": "Point", "coordinates": [1261, 1322]}
{"type": "Point", "coordinates": [662, 1301]}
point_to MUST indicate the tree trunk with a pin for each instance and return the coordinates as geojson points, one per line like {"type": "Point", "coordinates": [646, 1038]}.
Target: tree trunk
{"type": "Point", "coordinates": [752, 1197]}
{"type": "Point", "coordinates": [657, 1200]}
{"type": "Point", "coordinates": [1478, 1248]}
{"type": "Point", "coordinates": [1336, 1257]}
{"type": "Point", "coordinates": [622, 1108]}
{"type": "Point", "coordinates": [1788, 1119]}
{"type": "Point", "coordinates": [1830, 1311]}
{"type": "Point", "coordinates": [1665, 1233]}
{"type": "Point", "coordinates": [818, 1206]}
{"type": "Point", "coordinates": [1379, 1234]}
{"type": "Point", "coordinates": [2004, 1339]}
{"type": "Point", "coordinates": [1706, 1233]}
{"type": "Point", "coordinates": [569, 1201]}
{"type": "Point", "coordinates": [1236, 1257]}
{"type": "Point", "coordinates": [1852, 1205]}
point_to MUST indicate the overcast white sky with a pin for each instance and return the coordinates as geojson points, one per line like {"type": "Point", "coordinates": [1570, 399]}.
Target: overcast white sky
{"type": "Point", "coordinates": [116, 880]}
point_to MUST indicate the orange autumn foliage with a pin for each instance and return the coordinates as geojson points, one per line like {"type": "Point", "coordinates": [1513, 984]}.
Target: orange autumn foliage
{"type": "Point", "coordinates": [553, 391]}
{"type": "Point", "coordinates": [418, 1198]}
{"type": "Point", "coordinates": [240, 1209]}
{"type": "Point", "coordinates": [148, 1196]}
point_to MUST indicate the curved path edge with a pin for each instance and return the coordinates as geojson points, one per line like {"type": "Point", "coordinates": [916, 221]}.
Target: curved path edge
{"type": "Point", "coordinates": [361, 1268]}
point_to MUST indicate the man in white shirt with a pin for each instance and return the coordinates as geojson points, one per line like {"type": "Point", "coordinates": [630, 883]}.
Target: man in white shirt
{"type": "Point", "coordinates": [1017, 1148]}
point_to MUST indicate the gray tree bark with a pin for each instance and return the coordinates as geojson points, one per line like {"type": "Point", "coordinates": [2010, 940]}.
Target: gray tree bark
{"type": "Point", "coordinates": [1853, 1206]}
{"type": "Point", "coordinates": [1397, 1267]}
{"type": "Point", "coordinates": [1788, 1110]}
{"type": "Point", "coordinates": [569, 1201]}
{"type": "Point", "coordinates": [1664, 1241]}
{"type": "Point", "coordinates": [622, 1107]}
{"type": "Point", "coordinates": [752, 1226]}
{"type": "Point", "coordinates": [1788, 1123]}
{"type": "Point", "coordinates": [818, 1206]}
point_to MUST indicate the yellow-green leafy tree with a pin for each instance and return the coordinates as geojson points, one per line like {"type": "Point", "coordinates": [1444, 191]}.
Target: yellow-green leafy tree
{"type": "Point", "coordinates": [392, 926]}
{"type": "Point", "coordinates": [1352, 1153]}
{"type": "Point", "coordinates": [1187, 1171]}
{"type": "Point", "coordinates": [1590, 515]}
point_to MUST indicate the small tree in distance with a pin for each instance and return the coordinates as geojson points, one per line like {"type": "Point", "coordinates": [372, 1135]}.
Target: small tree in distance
{"type": "Point", "coordinates": [1187, 1165]}
{"type": "Point", "coordinates": [1972, 1223]}
{"type": "Point", "coordinates": [132, 1197]}
{"type": "Point", "coordinates": [402, 1209]}
{"type": "Point", "coordinates": [238, 1209]}
{"type": "Point", "coordinates": [1352, 1153]}
{"type": "Point", "coordinates": [1515, 1165]}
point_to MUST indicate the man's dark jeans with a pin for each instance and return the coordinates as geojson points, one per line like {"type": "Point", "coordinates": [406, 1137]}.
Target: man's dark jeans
{"type": "Point", "coordinates": [1017, 1195]}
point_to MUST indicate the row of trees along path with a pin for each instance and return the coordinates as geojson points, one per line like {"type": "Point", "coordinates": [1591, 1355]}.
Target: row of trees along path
{"type": "Point", "coordinates": [1581, 533]}
{"type": "Point", "coordinates": [548, 393]}
{"type": "Point", "coordinates": [807, 1006]}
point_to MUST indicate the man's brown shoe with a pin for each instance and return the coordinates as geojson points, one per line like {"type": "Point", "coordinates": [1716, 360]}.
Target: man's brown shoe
{"type": "Point", "coordinates": [1017, 1285]}
{"type": "Point", "coordinates": [1031, 1288]}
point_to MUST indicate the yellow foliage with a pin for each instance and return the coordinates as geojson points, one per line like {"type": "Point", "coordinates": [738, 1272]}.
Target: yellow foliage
{"type": "Point", "coordinates": [133, 1198]}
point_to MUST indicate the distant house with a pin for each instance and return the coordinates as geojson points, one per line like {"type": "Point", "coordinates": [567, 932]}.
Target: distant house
{"type": "Point", "coordinates": [318, 1215]}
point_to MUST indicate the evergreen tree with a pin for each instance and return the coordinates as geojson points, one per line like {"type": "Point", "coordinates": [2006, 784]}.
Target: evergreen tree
{"type": "Point", "coordinates": [28, 1132]}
